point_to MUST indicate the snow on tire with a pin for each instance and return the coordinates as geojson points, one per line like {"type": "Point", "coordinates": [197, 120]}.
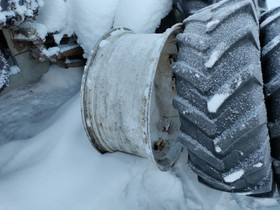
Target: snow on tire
{"type": "Point", "coordinates": [270, 41]}
{"type": "Point", "coordinates": [220, 98]}
{"type": "Point", "coordinates": [4, 75]}
{"type": "Point", "coordinates": [189, 7]}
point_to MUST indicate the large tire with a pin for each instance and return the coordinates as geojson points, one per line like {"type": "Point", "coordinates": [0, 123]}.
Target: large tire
{"type": "Point", "coordinates": [270, 41]}
{"type": "Point", "coordinates": [4, 72]}
{"type": "Point", "coordinates": [189, 7]}
{"type": "Point", "coordinates": [262, 6]}
{"type": "Point", "coordinates": [220, 98]}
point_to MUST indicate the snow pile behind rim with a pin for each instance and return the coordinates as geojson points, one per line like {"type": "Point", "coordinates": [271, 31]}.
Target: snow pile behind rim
{"type": "Point", "coordinates": [90, 19]}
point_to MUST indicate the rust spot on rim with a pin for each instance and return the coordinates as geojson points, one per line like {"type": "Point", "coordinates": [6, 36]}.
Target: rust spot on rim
{"type": "Point", "coordinates": [159, 145]}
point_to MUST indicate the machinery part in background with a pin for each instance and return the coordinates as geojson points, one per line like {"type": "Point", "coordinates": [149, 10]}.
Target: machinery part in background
{"type": "Point", "coordinates": [189, 7]}
{"type": "Point", "coordinates": [14, 12]}
{"type": "Point", "coordinates": [220, 98]}
{"type": "Point", "coordinates": [32, 55]}
{"type": "Point", "coordinates": [65, 54]}
{"type": "Point", "coordinates": [126, 96]}
{"type": "Point", "coordinates": [270, 41]}
{"type": "Point", "coordinates": [18, 56]}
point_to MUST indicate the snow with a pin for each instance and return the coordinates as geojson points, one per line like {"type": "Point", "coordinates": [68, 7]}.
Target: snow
{"type": "Point", "coordinates": [57, 168]}
{"type": "Point", "coordinates": [213, 59]}
{"type": "Point", "coordinates": [2, 17]}
{"type": "Point", "coordinates": [212, 24]}
{"type": "Point", "coordinates": [51, 51]}
{"type": "Point", "coordinates": [18, 11]}
{"type": "Point", "coordinates": [234, 176]}
{"type": "Point", "coordinates": [60, 49]}
{"type": "Point", "coordinates": [103, 43]}
{"type": "Point", "coordinates": [218, 149]}
{"type": "Point", "coordinates": [65, 162]}
{"type": "Point", "coordinates": [267, 202]}
{"type": "Point", "coordinates": [141, 16]}
{"type": "Point", "coordinates": [67, 47]}
{"type": "Point", "coordinates": [94, 18]}
{"type": "Point", "coordinates": [46, 160]}
{"type": "Point", "coordinates": [216, 101]}
{"type": "Point", "coordinates": [14, 70]}
{"type": "Point", "coordinates": [258, 165]}
{"type": "Point", "coordinates": [272, 3]}
{"type": "Point", "coordinates": [21, 110]}
{"type": "Point", "coordinates": [53, 15]}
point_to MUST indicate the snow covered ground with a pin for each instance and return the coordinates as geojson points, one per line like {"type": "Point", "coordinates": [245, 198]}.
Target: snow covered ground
{"type": "Point", "coordinates": [58, 168]}
{"type": "Point", "coordinates": [47, 162]}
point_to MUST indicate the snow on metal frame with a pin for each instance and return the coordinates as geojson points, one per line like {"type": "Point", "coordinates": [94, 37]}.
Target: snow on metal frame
{"type": "Point", "coordinates": [14, 12]}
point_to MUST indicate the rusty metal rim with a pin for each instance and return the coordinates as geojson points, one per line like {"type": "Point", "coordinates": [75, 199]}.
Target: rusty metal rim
{"type": "Point", "coordinates": [85, 92]}
{"type": "Point", "coordinates": [85, 112]}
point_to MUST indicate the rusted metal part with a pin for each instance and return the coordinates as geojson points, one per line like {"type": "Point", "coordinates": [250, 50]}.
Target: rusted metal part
{"type": "Point", "coordinates": [126, 96]}
{"type": "Point", "coordinates": [71, 50]}
{"type": "Point", "coordinates": [66, 54]}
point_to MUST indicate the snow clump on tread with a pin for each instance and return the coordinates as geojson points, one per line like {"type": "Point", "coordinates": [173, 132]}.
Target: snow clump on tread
{"type": "Point", "coordinates": [228, 139]}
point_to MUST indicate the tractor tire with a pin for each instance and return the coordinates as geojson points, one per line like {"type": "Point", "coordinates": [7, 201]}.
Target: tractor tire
{"type": "Point", "coordinates": [189, 7]}
{"type": "Point", "coordinates": [220, 98]}
{"type": "Point", "coordinates": [270, 41]}
{"type": "Point", "coordinates": [262, 5]}
{"type": "Point", "coordinates": [4, 72]}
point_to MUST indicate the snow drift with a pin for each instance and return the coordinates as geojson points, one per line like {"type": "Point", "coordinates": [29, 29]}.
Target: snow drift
{"type": "Point", "coordinates": [89, 20]}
